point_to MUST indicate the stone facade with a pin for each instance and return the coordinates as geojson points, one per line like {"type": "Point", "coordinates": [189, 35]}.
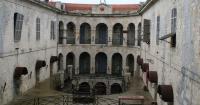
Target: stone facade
{"type": "Point", "coordinates": [176, 66]}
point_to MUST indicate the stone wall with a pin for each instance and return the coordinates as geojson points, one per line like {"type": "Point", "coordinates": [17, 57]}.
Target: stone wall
{"type": "Point", "coordinates": [175, 66]}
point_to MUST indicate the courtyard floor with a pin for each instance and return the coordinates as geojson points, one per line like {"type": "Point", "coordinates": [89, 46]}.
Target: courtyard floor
{"type": "Point", "coordinates": [53, 97]}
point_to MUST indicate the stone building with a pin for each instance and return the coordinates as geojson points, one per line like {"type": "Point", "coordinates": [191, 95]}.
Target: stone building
{"type": "Point", "coordinates": [100, 46]}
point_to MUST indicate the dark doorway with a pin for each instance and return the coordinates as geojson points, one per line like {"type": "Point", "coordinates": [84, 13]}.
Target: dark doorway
{"type": "Point", "coordinates": [130, 63]}
{"type": "Point", "coordinates": [101, 63]}
{"type": "Point", "coordinates": [100, 88]}
{"type": "Point", "coordinates": [70, 60]}
{"type": "Point", "coordinates": [117, 64]}
{"type": "Point", "coordinates": [60, 62]}
{"type": "Point", "coordinates": [84, 88]}
{"type": "Point", "coordinates": [84, 63]}
{"type": "Point", "coordinates": [101, 34]}
{"type": "Point", "coordinates": [116, 88]}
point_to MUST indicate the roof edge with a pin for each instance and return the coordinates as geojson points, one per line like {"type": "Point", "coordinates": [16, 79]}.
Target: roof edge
{"type": "Point", "coordinates": [148, 4]}
{"type": "Point", "coordinates": [142, 9]}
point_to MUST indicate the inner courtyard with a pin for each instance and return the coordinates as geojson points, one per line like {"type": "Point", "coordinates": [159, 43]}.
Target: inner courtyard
{"type": "Point", "coordinates": [57, 53]}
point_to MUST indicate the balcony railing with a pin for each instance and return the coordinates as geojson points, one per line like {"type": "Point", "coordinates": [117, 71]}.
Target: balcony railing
{"type": "Point", "coordinates": [101, 41]}
{"type": "Point", "coordinates": [117, 41]}
{"type": "Point", "coordinates": [85, 41]}
{"type": "Point", "coordinates": [130, 43]}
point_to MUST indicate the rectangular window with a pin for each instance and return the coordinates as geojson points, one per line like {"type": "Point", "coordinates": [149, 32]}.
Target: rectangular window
{"type": "Point", "coordinates": [52, 30]}
{"type": "Point", "coordinates": [147, 25]}
{"type": "Point", "coordinates": [18, 23]}
{"type": "Point", "coordinates": [158, 30]}
{"type": "Point", "coordinates": [173, 27]}
{"type": "Point", "coordinates": [38, 29]}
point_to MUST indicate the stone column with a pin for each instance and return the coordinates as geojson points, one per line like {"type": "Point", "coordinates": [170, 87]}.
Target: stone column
{"type": "Point", "coordinates": [65, 34]}
{"type": "Point", "coordinates": [125, 39]}
{"type": "Point", "coordinates": [92, 64]}
{"type": "Point", "coordinates": [77, 64]}
{"type": "Point", "coordinates": [110, 36]}
{"type": "Point", "coordinates": [123, 65]}
{"type": "Point", "coordinates": [93, 33]}
{"type": "Point", "coordinates": [108, 92]}
{"type": "Point", "coordinates": [77, 36]}
{"type": "Point", "coordinates": [109, 66]}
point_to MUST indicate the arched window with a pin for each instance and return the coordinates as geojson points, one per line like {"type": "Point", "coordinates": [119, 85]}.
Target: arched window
{"type": "Point", "coordinates": [101, 34]}
{"type": "Point", "coordinates": [130, 63]}
{"type": "Point", "coordinates": [101, 63]}
{"type": "Point", "coordinates": [85, 33]}
{"type": "Point", "coordinates": [131, 35]}
{"type": "Point", "coordinates": [71, 31]}
{"type": "Point", "coordinates": [117, 37]}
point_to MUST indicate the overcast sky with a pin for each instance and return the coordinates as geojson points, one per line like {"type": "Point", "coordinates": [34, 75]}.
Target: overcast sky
{"type": "Point", "coordinates": [98, 1]}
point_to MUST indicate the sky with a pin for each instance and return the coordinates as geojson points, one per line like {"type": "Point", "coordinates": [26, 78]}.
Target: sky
{"type": "Point", "coordinates": [98, 1]}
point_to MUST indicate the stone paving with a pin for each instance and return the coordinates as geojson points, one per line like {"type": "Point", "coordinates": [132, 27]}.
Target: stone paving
{"type": "Point", "coordinates": [53, 97]}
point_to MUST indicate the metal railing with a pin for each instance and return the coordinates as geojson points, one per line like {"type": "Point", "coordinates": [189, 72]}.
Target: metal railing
{"type": "Point", "coordinates": [62, 100]}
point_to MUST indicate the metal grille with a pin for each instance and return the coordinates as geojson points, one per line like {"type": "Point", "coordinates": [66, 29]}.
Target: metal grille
{"type": "Point", "coordinates": [61, 100]}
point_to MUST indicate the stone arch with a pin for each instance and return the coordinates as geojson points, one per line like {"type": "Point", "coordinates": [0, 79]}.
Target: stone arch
{"type": "Point", "coordinates": [115, 88]}
{"type": "Point", "coordinates": [101, 63]}
{"type": "Point", "coordinates": [101, 34]}
{"type": "Point", "coordinates": [117, 36]}
{"type": "Point", "coordinates": [117, 64]}
{"type": "Point", "coordinates": [71, 33]}
{"type": "Point", "coordinates": [130, 63]}
{"type": "Point", "coordinates": [100, 88]}
{"type": "Point", "coordinates": [84, 87]}
{"type": "Point", "coordinates": [61, 32]}
{"type": "Point", "coordinates": [85, 33]}
{"type": "Point", "coordinates": [84, 63]}
{"type": "Point", "coordinates": [131, 35]}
